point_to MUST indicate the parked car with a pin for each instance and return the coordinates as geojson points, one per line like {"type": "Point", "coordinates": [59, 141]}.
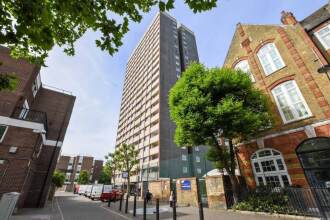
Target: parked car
{"type": "Point", "coordinates": [88, 190]}
{"type": "Point", "coordinates": [111, 194]}
{"type": "Point", "coordinates": [96, 191]}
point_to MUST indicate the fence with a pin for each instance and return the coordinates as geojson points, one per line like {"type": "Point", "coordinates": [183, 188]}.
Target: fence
{"type": "Point", "coordinates": [314, 202]}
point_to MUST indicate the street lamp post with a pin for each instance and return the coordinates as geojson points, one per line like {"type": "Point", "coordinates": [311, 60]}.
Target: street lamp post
{"type": "Point", "coordinates": [324, 69]}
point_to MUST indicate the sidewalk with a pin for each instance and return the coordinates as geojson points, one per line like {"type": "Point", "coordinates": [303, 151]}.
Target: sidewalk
{"type": "Point", "coordinates": [49, 212]}
{"type": "Point", "coordinates": [185, 213]}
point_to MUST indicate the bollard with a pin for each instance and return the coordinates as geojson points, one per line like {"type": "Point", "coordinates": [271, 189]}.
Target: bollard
{"type": "Point", "coordinates": [126, 205]}
{"type": "Point", "coordinates": [109, 202]}
{"type": "Point", "coordinates": [174, 209]}
{"type": "Point", "coordinates": [121, 201]}
{"type": "Point", "coordinates": [144, 209]}
{"type": "Point", "coordinates": [157, 209]}
{"type": "Point", "coordinates": [201, 213]}
{"type": "Point", "coordinates": [134, 206]}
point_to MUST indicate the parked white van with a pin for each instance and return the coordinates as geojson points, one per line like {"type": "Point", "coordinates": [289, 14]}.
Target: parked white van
{"type": "Point", "coordinates": [88, 190]}
{"type": "Point", "coordinates": [82, 189]}
{"type": "Point", "coordinates": [96, 191]}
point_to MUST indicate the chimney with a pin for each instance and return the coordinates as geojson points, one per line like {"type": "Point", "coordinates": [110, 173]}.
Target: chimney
{"type": "Point", "coordinates": [288, 18]}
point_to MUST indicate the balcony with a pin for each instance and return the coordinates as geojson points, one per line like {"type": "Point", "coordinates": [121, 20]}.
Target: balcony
{"type": "Point", "coordinates": [154, 118]}
{"type": "Point", "coordinates": [30, 115]}
{"type": "Point", "coordinates": [154, 139]}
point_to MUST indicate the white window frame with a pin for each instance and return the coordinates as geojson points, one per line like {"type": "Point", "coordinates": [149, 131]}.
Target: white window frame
{"type": "Point", "coordinates": [36, 85]}
{"type": "Point", "coordinates": [198, 159]}
{"type": "Point", "coordinates": [269, 58]}
{"type": "Point", "coordinates": [184, 169]}
{"type": "Point", "coordinates": [319, 37]}
{"type": "Point", "coordinates": [25, 110]}
{"type": "Point", "coordinates": [279, 173]}
{"type": "Point", "coordinates": [240, 66]}
{"type": "Point", "coordinates": [287, 98]}
{"type": "Point", "coordinates": [4, 133]}
{"type": "Point", "coordinates": [184, 157]}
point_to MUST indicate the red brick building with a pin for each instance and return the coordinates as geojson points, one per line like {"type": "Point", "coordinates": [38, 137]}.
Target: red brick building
{"type": "Point", "coordinates": [72, 166]}
{"type": "Point", "coordinates": [33, 123]}
{"type": "Point", "coordinates": [283, 61]}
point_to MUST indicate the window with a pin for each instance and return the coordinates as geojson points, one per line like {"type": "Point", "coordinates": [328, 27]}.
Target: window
{"type": "Point", "coordinates": [185, 169]}
{"type": "Point", "coordinates": [3, 130]}
{"type": "Point", "coordinates": [323, 36]}
{"type": "Point", "coordinates": [290, 102]}
{"type": "Point", "coordinates": [244, 66]}
{"type": "Point", "coordinates": [198, 159]}
{"type": "Point", "coordinates": [25, 110]}
{"type": "Point", "coordinates": [184, 157]}
{"type": "Point", "coordinates": [199, 170]}
{"type": "Point", "coordinates": [36, 85]}
{"type": "Point", "coordinates": [269, 168]}
{"type": "Point", "coordinates": [270, 58]}
{"type": "Point", "coordinates": [197, 148]}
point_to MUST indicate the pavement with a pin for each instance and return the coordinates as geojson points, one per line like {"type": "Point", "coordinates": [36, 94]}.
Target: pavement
{"type": "Point", "coordinates": [67, 206]}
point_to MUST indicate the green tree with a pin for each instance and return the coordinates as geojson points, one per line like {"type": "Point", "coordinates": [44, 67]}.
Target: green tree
{"type": "Point", "coordinates": [127, 156]}
{"type": "Point", "coordinates": [212, 104]}
{"type": "Point", "coordinates": [105, 177]}
{"type": "Point", "coordinates": [83, 177]}
{"type": "Point", "coordinates": [112, 165]}
{"type": "Point", "coordinates": [31, 28]}
{"type": "Point", "coordinates": [58, 179]}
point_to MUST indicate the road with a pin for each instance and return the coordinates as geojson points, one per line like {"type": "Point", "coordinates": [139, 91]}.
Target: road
{"type": "Point", "coordinates": [72, 207]}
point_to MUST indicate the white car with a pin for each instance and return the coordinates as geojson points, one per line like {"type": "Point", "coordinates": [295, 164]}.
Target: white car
{"type": "Point", "coordinates": [96, 191]}
{"type": "Point", "coordinates": [82, 189]}
{"type": "Point", "coordinates": [88, 190]}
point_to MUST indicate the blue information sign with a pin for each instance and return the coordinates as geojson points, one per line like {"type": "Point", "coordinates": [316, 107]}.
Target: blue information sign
{"type": "Point", "coordinates": [185, 185]}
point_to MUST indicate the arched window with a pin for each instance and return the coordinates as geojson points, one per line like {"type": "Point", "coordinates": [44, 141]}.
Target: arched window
{"type": "Point", "coordinates": [290, 102]}
{"type": "Point", "coordinates": [270, 58]}
{"type": "Point", "coordinates": [244, 66]}
{"type": "Point", "coordinates": [269, 168]}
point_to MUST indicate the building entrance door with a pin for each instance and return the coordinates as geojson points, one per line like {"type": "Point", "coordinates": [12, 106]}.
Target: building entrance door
{"type": "Point", "coordinates": [314, 156]}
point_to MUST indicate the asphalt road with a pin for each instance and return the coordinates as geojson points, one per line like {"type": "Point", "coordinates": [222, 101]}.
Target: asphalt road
{"type": "Point", "coordinates": [72, 207]}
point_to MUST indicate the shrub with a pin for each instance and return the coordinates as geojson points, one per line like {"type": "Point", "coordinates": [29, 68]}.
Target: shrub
{"type": "Point", "coordinates": [264, 199]}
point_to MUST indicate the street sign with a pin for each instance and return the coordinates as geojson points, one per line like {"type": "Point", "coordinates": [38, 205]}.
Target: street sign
{"type": "Point", "coordinates": [124, 174]}
{"type": "Point", "coordinates": [185, 185]}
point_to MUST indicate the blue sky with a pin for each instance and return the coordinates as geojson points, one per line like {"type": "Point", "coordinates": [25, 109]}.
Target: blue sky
{"type": "Point", "coordinates": [96, 78]}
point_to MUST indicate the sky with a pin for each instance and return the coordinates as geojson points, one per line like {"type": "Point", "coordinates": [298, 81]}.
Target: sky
{"type": "Point", "coordinates": [96, 78]}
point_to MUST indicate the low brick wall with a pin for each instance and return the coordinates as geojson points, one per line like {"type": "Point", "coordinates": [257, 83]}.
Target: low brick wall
{"type": "Point", "coordinates": [215, 192]}
{"type": "Point", "coordinates": [187, 197]}
{"type": "Point", "coordinates": [160, 189]}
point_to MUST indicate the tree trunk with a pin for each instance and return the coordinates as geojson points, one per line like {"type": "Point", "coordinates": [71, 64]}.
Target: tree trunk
{"type": "Point", "coordinates": [231, 172]}
{"type": "Point", "coordinates": [234, 187]}
{"type": "Point", "coordinates": [128, 185]}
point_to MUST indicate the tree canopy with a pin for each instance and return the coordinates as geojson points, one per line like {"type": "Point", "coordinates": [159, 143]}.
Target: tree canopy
{"type": "Point", "coordinates": [31, 28]}
{"type": "Point", "coordinates": [58, 178]}
{"type": "Point", "coordinates": [83, 177]}
{"type": "Point", "coordinates": [207, 104]}
{"type": "Point", "coordinates": [210, 105]}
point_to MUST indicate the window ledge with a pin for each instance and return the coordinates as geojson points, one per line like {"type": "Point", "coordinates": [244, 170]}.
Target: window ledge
{"type": "Point", "coordinates": [298, 120]}
{"type": "Point", "coordinates": [276, 71]}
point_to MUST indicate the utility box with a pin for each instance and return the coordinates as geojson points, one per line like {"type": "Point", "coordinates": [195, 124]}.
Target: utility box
{"type": "Point", "coordinates": [7, 204]}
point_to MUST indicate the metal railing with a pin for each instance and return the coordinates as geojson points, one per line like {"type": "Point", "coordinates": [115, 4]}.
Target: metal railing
{"type": "Point", "coordinates": [30, 115]}
{"type": "Point", "coordinates": [314, 201]}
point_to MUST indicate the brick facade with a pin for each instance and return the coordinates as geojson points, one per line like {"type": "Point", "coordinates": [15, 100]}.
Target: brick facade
{"type": "Point", "coordinates": [34, 136]}
{"type": "Point", "coordinates": [303, 56]}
